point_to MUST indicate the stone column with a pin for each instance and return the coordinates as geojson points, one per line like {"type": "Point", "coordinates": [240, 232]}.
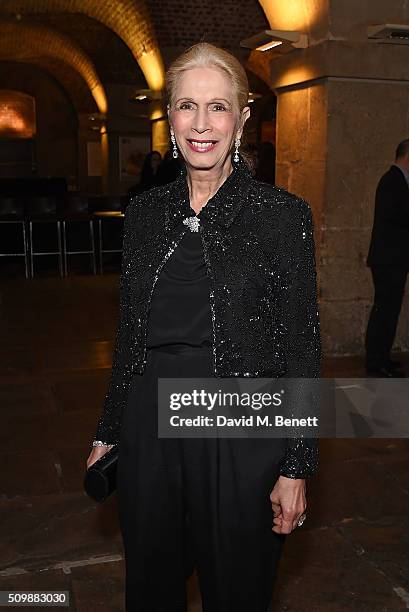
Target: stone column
{"type": "Point", "coordinates": [301, 144]}
{"type": "Point", "coordinates": [159, 126]}
{"type": "Point", "coordinates": [110, 158]}
{"type": "Point", "coordinates": [342, 109]}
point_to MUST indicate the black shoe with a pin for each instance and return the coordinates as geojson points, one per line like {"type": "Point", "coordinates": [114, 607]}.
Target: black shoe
{"type": "Point", "coordinates": [394, 364]}
{"type": "Point", "coordinates": [385, 372]}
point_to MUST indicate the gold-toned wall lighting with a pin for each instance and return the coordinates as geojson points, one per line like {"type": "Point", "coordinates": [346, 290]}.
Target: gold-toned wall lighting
{"type": "Point", "coordinates": [152, 66]}
{"type": "Point", "coordinates": [160, 135]}
{"type": "Point", "coordinates": [294, 15]}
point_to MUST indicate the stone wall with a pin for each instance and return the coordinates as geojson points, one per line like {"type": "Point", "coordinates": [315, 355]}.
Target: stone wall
{"type": "Point", "coordinates": [342, 110]}
{"type": "Point", "coordinates": [367, 120]}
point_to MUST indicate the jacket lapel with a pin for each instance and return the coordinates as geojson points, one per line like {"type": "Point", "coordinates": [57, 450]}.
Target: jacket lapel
{"type": "Point", "coordinates": [222, 208]}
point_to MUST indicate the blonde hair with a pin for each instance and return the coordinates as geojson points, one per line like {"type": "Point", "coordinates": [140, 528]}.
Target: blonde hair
{"type": "Point", "coordinates": [206, 55]}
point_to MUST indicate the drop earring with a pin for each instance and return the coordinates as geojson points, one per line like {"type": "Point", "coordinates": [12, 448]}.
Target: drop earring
{"type": "Point", "coordinates": [236, 152]}
{"type": "Point", "coordinates": [175, 149]}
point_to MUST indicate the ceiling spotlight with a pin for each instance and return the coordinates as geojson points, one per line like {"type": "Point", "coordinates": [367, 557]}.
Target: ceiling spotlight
{"type": "Point", "coordinates": [284, 40]}
{"type": "Point", "coordinates": [269, 45]}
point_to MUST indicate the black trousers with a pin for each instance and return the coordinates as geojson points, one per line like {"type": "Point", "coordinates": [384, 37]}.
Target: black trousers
{"type": "Point", "coordinates": [186, 503]}
{"type": "Point", "coordinates": [389, 283]}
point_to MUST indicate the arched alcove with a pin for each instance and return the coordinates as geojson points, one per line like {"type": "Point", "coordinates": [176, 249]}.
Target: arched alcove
{"type": "Point", "coordinates": [52, 148]}
{"type": "Point", "coordinates": [17, 115]}
{"type": "Point", "coordinates": [18, 128]}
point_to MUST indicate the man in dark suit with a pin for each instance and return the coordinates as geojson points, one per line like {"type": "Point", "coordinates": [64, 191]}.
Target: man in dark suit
{"type": "Point", "coordinates": [388, 259]}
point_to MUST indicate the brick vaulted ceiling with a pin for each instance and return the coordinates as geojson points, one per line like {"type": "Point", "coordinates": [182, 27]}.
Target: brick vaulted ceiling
{"type": "Point", "coordinates": [129, 19]}
{"type": "Point", "coordinates": [124, 41]}
{"type": "Point", "coordinates": [181, 23]}
{"type": "Point", "coordinates": [112, 58]}
{"type": "Point", "coordinates": [42, 44]}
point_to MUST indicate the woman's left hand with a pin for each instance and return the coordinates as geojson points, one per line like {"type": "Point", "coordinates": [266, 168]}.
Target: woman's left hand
{"type": "Point", "coordinates": [289, 503]}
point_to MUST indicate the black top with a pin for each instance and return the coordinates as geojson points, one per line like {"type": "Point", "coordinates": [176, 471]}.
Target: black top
{"type": "Point", "coordinates": [180, 309]}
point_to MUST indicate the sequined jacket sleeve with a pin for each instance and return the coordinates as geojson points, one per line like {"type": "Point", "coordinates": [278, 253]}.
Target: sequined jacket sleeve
{"type": "Point", "coordinates": [300, 317]}
{"type": "Point", "coordinates": [108, 428]}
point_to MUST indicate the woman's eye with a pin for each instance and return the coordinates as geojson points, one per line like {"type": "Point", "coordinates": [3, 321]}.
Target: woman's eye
{"type": "Point", "coordinates": [218, 107]}
{"type": "Point", "coordinates": [185, 106]}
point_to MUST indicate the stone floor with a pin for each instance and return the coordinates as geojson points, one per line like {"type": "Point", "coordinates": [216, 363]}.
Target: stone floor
{"type": "Point", "coordinates": [55, 343]}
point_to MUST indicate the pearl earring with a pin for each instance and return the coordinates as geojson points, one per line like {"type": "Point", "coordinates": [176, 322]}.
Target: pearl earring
{"type": "Point", "coordinates": [236, 152]}
{"type": "Point", "coordinates": [175, 149]}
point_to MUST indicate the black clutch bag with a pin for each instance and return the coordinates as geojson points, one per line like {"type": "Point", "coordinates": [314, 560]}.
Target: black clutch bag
{"type": "Point", "coordinates": [100, 478]}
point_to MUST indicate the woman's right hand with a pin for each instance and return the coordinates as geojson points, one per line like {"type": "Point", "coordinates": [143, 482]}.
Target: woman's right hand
{"type": "Point", "coordinates": [96, 453]}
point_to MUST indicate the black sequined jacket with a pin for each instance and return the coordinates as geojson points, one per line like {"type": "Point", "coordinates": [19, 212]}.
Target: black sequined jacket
{"type": "Point", "coordinates": [259, 251]}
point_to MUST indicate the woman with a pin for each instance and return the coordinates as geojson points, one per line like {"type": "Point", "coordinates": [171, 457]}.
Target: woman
{"type": "Point", "coordinates": [218, 280]}
{"type": "Point", "coordinates": [149, 174]}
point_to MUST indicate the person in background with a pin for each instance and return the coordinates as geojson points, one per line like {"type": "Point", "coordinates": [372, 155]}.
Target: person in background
{"type": "Point", "coordinates": [388, 259]}
{"type": "Point", "coordinates": [266, 162]}
{"type": "Point", "coordinates": [169, 169]}
{"type": "Point", "coordinates": [149, 174]}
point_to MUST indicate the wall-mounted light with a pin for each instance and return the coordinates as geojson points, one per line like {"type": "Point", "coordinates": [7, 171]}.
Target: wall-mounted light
{"type": "Point", "coordinates": [145, 95]}
{"type": "Point", "coordinates": [96, 117]}
{"type": "Point", "coordinates": [269, 45]}
{"type": "Point", "coordinates": [97, 120]}
{"type": "Point", "coordinates": [389, 32]}
{"type": "Point", "coordinates": [253, 96]}
{"type": "Point", "coordinates": [141, 95]}
{"type": "Point", "coordinates": [283, 40]}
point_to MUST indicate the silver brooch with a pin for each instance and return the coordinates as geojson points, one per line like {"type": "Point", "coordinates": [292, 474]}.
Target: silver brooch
{"type": "Point", "coordinates": [192, 223]}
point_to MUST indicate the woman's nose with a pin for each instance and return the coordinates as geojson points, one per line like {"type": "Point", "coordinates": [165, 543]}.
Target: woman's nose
{"type": "Point", "coordinates": [201, 121]}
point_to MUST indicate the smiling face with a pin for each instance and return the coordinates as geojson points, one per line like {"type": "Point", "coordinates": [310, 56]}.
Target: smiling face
{"type": "Point", "coordinates": [205, 119]}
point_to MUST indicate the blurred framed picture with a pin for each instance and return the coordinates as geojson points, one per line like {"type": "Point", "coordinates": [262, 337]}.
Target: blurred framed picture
{"type": "Point", "coordinates": [132, 151]}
